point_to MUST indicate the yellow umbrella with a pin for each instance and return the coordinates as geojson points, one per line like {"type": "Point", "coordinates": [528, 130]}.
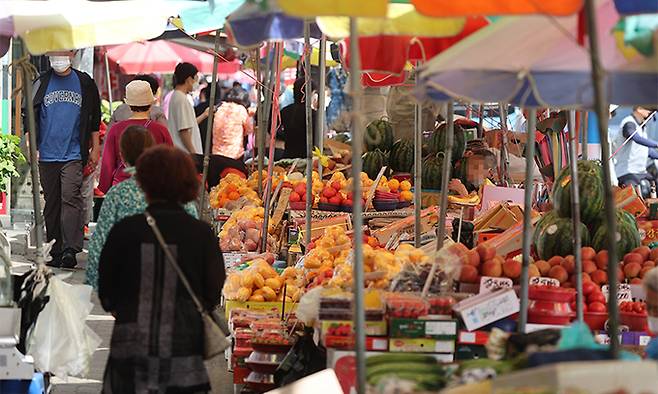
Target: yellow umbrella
{"type": "Point", "coordinates": [401, 19]}
{"type": "Point", "coordinates": [312, 8]}
{"type": "Point", "coordinates": [52, 25]}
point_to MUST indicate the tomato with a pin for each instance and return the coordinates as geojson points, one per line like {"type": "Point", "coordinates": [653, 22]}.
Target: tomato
{"type": "Point", "coordinates": [596, 296]}
{"type": "Point", "coordinates": [588, 288]}
{"type": "Point", "coordinates": [596, 307]}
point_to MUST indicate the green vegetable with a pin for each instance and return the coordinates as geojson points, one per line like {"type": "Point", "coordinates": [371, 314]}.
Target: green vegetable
{"type": "Point", "coordinates": [10, 156]}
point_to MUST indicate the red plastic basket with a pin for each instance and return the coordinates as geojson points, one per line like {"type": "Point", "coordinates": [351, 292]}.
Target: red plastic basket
{"type": "Point", "coordinates": [634, 321]}
{"type": "Point", "coordinates": [595, 320]}
{"type": "Point", "coordinates": [555, 294]}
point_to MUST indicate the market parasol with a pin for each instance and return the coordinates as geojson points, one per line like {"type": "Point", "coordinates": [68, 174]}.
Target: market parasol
{"type": "Point", "coordinates": [546, 67]}
{"type": "Point", "coordinates": [48, 25]}
{"type": "Point", "coordinates": [161, 57]}
{"type": "Point", "coordinates": [632, 7]}
{"type": "Point", "coordinates": [440, 8]}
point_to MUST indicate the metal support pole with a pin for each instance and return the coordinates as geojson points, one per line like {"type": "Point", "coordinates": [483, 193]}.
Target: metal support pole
{"type": "Point", "coordinates": [274, 72]}
{"type": "Point", "coordinates": [34, 170]}
{"type": "Point", "coordinates": [481, 122]}
{"type": "Point", "coordinates": [611, 218]}
{"type": "Point", "coordinates": [263, 120]}
{"type": "Point", "coordinates": [309, 128]}
{"type": "Point", "coordinates": [357, 209]}
{"type": "Point", "coordinates": [109, 82]}
{"type": "Point", "coordinates": [260, 130]}
{"type": "Point", "coordinates": [575, 214]}
{"type": "Point", "coordinates": [321, 99]}
{"type": "Point", "coordinates": [583, 132]}
{"type": "Point", "coordinates": [211, 117]}
{"type": "Point", "coordinates": [527, 216]}
{"type": "Point", "coordinates": [418, 169]}
{"type": "Point", "coordinates": [504, 154]}
{"type": "Point", "coordinates": [445, 179]}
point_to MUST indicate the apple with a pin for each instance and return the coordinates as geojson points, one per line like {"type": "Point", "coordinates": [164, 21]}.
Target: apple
{"type": "Point", "coordinates": [329, 192]}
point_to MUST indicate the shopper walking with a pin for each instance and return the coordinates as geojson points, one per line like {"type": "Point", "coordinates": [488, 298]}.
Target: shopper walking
{"type": "Point", "coordinates": [124, 199]}
{"type": "Point", "coordinates": [139, 98]}
{"type": "Point", "coordinates": [293, 123]}
{"type": "Point", "coordinates": [631, 158]}
{"type": "Point", "coordinates": [123, 111]}
{"type": "Point", "coordinates": [183, 124]}
{"type": "Point", "coordinates": [157, 340]}
{"type": "Point", "coordinates": [67, 114]}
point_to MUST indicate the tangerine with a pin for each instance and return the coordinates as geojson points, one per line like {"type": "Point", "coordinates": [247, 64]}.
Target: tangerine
{"type": "Point", "coordinates": [405, 185]}
{"type": "Point", "coordinates": [234, 195]}
{"type": "Point", "coordinates": [394, 185]}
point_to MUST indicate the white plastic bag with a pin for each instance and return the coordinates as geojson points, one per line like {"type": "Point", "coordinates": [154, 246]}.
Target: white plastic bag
{"type": "Point", "coordinates": [60, 341]}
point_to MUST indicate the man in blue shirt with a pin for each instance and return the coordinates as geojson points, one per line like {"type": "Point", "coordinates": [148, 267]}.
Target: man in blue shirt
{"type": "Point", "coordinates": [67, 114]}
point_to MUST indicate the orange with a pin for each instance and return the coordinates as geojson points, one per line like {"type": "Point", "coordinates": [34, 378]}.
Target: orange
{"type": "Point", "coordinates": [233, 195]}
{"type": "Point", "coordinates": [394, 185]}
{"type": "Point", "coordinates": [406, 195]}
{"type": "Point", "coordinates": [405, 185]}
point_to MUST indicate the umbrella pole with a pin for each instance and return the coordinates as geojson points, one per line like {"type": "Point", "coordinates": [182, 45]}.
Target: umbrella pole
{"type": "Point", "coordinates": [527, 217]}
{"type": "Point", "coordinates": [481, 122]}
{"type": "Point", "coordinates": [583, 132]}
{"type": "Point", "coordinates": [575, 213]}
{"type": "Point", "coordinates": [611, 218]}
{"type": "Point", "coordinates": [445, 179]}
{"type": "Point", "coordinates": [504, 154]}
{"type": "Point", "coordinates": [259, 130]}
{"type": "Point", "coordinates": [265, 115]}
{"type": "Point", "coordinates": [321, 98]}
{"type": "Point", "coordinates": [34, 170]}
{"type": "Point", "coordinates": [274, 73]}
{"type": "Point", "coordinates": [109, 82]}
{"type": "Point", "coordinates": [309, 129]}
{"type": "Point", "coordinates": [418, 167]}
{"type": "Point", "coordinates": [357, 208]}
{"type": "Point", "coordinates": [211, 117]}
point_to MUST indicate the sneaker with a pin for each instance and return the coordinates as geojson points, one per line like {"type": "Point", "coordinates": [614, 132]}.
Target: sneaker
{"type": "Point", "coordinates": [68, 260]}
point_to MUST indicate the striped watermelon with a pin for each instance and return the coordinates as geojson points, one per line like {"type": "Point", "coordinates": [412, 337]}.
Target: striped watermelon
{"type": "Point", "coordinates": [432, 172]}
{"type": "Point", "coordinates": [556, 238]}
{"type": "Point", "coordinates": [590, 189]}
{"type": "Point", "coordinates": [401, 158]}
{"type": "Point", "coordinates": [546, 219]}
{"type": "Point", "coordinates": [378, 135]}
{"type": "Point", "coordinates": [373, 162]}
{"type": "Point", "coordinates": [628, 235]}
{"type": "Point", "coordinates": [437, 141]}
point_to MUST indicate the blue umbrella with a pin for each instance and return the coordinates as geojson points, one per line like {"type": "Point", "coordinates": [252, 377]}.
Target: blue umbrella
{"type": "Point", "coordinates": [252, 23]}
{"type": "Point", "coordinates": [630, 7]}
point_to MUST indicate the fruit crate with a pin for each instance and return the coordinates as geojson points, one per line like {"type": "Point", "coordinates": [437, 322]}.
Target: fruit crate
{"type": "Point", "coordinates": [421, 328]}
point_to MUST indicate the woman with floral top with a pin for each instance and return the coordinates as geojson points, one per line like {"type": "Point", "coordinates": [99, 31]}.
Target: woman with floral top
{"type": "Point", "coordinates": [124, 199]}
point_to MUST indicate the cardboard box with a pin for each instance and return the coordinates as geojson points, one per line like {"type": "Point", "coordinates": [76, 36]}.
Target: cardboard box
{"type": "Point", "coordinates": [628, 200]}
{"type": "Point", "coordinates": [486, 308]}
{"type": "Point", "coordinates": [501, 216]}
{"type": "Point", "coordinates": [420, 328]}
{"type": "Point", "coordinates": [473, 338]}
{"type": "Point", "coordinates": [376, 344]}
{"type": "Point", "coordinates": [470, 352]}
{"type": "Point", "coordinates": [261, 306]}
{"type": "Point", "coordinates": [421, 345]}
{"type": "Point", "coordinates": [373, 328]}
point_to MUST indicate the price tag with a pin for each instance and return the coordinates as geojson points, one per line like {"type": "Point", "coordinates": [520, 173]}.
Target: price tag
{"type": "Point", "coordinates": [440, 328]}
{"type": "Point", "coordinates": [644, 340]}
{"type": "Point", "coordinates": [624, 292]}
{"type": "Point", "coordinates": [232, 259]}
{"type": "Point", "coordinates": [467, 337]}
{"type": "Point", "coordinates": [544, 281]}
{"type": "Point", "coordinates": [490, 284]}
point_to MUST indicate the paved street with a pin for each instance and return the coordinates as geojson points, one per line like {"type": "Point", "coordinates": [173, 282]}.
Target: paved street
{"type": "Point", "coordinates": [101, 322]}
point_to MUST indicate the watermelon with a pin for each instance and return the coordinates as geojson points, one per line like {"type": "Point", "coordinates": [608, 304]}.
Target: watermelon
{"type": "Point", "coordinates": [342, 137]}
{"type": "Point", "coordinates": [556, 238]}
{"type": "Point", "coordinates": [628, 235]}
{"type": "Point", "coordinates": [401, 158]}
{"type": "Point", "coordinates": [590, 190]}
{"type": "Point", "coordinates": [373, 162]}
{"type": "Point", "coordinates": [546, 218]}
{"type": "Point", "coordinates": [379, 135]}
{"type": "Point", "coordinates": [432, 172]}
{"type": "Point", "coordinates": [437, 141]}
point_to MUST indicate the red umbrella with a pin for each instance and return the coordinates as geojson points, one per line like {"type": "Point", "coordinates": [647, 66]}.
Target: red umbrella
{"type": "Point", "coordinates": [161, 57]}
{"type": "Point", "coordinates": [383, 57]}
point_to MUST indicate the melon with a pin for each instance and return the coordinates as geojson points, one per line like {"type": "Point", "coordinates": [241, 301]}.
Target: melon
{"type": "Point", "coordinates": [379, 135]}
{"type": "Point", "coordinates": [556, 238]}
{"type": "Point", "coordinates": [437, 141]}
{"type": "Point", "coordinates": [628, 235]}
{"type": "Point", "coordinates": [432, 172]}
{"type": "Point", "coordinates": [373, 162]}
{"type": "Point", "coordinates": [546, 218]}
{"type": "Point", "coordinates": [401, 158]}
{"type": "Point", "coordinates": [590, 190]}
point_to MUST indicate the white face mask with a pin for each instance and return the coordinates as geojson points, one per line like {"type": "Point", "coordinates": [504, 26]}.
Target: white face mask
{"type": "Point", "coordinates": [60, 63]}
{"type": "Point", "coordinates": [652, 322]}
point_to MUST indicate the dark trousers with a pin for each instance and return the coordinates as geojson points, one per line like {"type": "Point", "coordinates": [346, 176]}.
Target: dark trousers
{"type": "Point", "coordinates": [63, 213]}
{"type": "Point", "coordinates": [216, 165]}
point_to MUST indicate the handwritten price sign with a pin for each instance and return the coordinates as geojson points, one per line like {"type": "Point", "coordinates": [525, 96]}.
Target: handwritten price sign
{"type": "Point", "coordinates": [543, 281]}
{"type": "Point", "coordinates": [490, 284]}
{"type": "Point", "coordinates": [624, 292]}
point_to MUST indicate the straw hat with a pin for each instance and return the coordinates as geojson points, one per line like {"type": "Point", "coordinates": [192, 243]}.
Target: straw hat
{"type": "Point", "coordinates": [139, 94]}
